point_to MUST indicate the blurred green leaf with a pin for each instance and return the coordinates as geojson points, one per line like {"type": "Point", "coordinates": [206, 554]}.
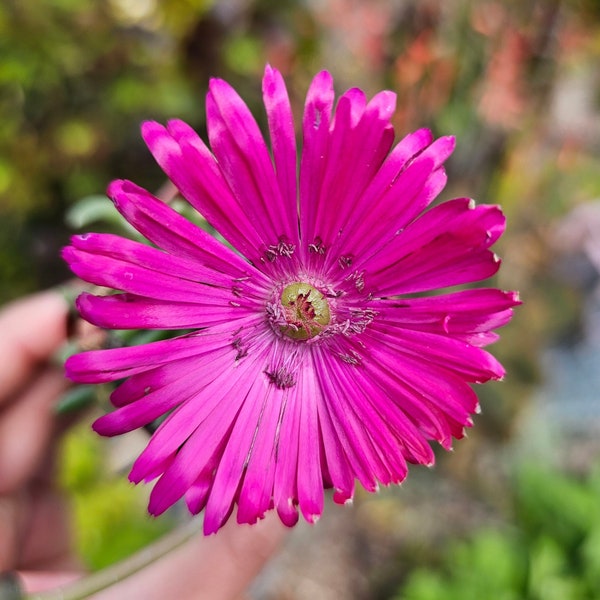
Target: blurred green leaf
{"type": "Point", "coordinates": [91, 210]}
{"type": "Point", "coordinates": [79, 397]}
{"type": "Point", "coordinates": [550, 552]}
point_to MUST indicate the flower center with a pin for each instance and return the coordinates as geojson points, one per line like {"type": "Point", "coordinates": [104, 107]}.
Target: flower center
{"type": "Point", "coordinates": [305, 310]}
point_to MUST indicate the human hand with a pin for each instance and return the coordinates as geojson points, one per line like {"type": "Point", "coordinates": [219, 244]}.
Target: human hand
{"type": "Point", "coordinates": [34, 533]}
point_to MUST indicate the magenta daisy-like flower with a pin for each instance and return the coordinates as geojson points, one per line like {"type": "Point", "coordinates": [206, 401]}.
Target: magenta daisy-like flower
{"type": "Point", "coordinates": [312, 360]}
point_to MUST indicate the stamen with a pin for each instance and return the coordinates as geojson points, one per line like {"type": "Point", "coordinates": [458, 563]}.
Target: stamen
{"type": "Point", "coordinates": [351, 358]}
{"type": "Point", "coordinates": [281, 378]}
{"type": "Point", "coordinates": [345, 261]}
{"type": "Point", "coordinates": [360, 319]}
{"type": "Point", "coordinates": [317, 246]}
{"type": "Point", "coordinates": [282, 248]}
{"type": "Point", "coordinates": [242, 350]}
{"type": "Point", "coordinates": [359, 280]}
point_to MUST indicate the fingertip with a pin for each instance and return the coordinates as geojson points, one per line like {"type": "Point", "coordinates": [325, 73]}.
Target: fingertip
{"type": "Point", "coordinates": [33, 328]}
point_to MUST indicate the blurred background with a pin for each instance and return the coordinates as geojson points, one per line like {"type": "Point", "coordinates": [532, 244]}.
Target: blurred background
{"type": "Point", "coordinates": [514, 512]}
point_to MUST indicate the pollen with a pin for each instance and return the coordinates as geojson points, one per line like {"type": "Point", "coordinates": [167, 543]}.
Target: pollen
{"type": "Point", "coordinates": [305, 311]}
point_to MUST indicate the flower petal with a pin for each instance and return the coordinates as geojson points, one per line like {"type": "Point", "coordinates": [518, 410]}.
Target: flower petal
{"type": "Point", "coordinates": [149, 280]}
{"type": "Point", "coordinates": [256, 491]}
{"type": "Point", "coordinates": [243, 157]}
{"type": "Point", "coordinates": [401, 190]}
{"type": "Point", "coordinates": [310, 482]}
{"type": "Point", "coordinates": [283, 142]}
{"type": "Point", "coordinates": [100, 366]}
{"type": "Point", "coordinates": [315, 135]}
{"type": "Point", "coordinates": [471, 363]}
{"type": "Point", "coordinates": [126, 311]}
{"type": "Point", "coordinates": [285, 488]}
{"type": "Point", "coordinates": [195, 435]}
{"type": "Point", "coordinates": [136, 253]}
{"type": "Point", "coordinates": [194, 171]}
{"type": "Point", "coordinates": [155, 403]}
{"type": "Point", "coordinates": [468, 315]}
{"type": "Point", "coordinates": [447, 246]}
{"type": "Point", "coordinates": [236, 454]}
{"type": "Point", "coordinates": [390, 434]}
{"type": "Point", "coordinates": [172, 232]}
{"type": "Point", "coordinates": [360, 139]}
{"type": "Point", "coordinates": [352, 436]}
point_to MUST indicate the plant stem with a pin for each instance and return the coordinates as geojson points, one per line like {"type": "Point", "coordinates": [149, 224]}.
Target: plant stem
{"type": "Point", "coordinates": [101, 580]}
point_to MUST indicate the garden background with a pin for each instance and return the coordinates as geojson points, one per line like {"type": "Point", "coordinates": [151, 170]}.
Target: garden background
{"type": "Point", "coordinates": [514, 511]}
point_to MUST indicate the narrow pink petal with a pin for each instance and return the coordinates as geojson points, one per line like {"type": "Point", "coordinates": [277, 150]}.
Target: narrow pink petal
{"type": "Point", "coordinates": [310, 482]}
{"type": "Point", "coordinates": [474, 224]}
{"type": "Point", "coordinates": [398, 159]}
{"type": "Point", "coordinates": [447, 246]}
{"type": "Point", "coordinates": [389, 392]}
{"type": "Point", "coordinates": [98, 366]}
{"type": "Point", "coordinates": [243, 157]}
{"type": "Point", "coordinates": [353, 438]}
{"type": "Point", "coordinates": [256, 491]}
{"type": "Point", "coordinates": [373, 409]}
{"type": "Point", "coordinates": [236, 454]}
{"type": "Point", "coordinates": [148, 281]}
{"type": "Point", "coordinates": [370, 237]}
{"type": "Point", "coordinates": [391, 203]}
{"type": "Point", "coordinates": [137, 386]}
{"type": "Point", "coordinates": [285, 489]}
{"type": "Point", "coordinates": [192, 465]}
{"type": "Point", "coordinates": [395, 436]}
{"type": "Point", "coordinates": [125, 311]}
{"type": "Point", "coordinates": [361, 236]}
{"type": "Point", "coordinates": [196, 432]}
{"type": "Point", "coordinates": [158, 402]}
{"type": "Point", "coordinates": [197, 494]}
{"type": "Point", "coordinates": [172, 232]}
{"type": "Point", "coordinates": [315, 134]}
{"type": "Point", "coordinates": [340, 161]}
{"type": "Point", "coordinates": [338, 465]}
{"type": "Point", "coordinates": [105, 244]}
{"type": "Point", "coordinates": [444, 387]}
{"type": "Point", "coordinates": [470, 267]}
{"type": "Point", "coordinates": [434, 387]}
{"type": "Point", "coordinates": [397, 421]}
{"type": "Point", "coordinates": [472, 363]}
{"type": "Point", "coordinates": [360, 140]}
{"type": "Point", "coordinates": [283, 142]}
{"type": "Point", "coordinates": [469, 315]}
{"type": "Point", "coordinates": [193, 169]}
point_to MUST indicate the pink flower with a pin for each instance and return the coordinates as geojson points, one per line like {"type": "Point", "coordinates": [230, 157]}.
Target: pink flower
{"type": "Point", "coordinates": [312, 363]}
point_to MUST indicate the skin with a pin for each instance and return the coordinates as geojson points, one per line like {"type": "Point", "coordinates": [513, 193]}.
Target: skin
{"type": "Point", "coordinates": [34, 529]}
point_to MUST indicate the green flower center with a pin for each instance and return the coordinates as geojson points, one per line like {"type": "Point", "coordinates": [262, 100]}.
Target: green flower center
{"type": "Point", "coordinates": [305, 309]}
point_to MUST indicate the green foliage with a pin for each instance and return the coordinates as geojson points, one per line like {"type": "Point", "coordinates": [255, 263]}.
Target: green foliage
{"type": "Point", "coordinates": [110, 520]}
{"type": "Point", "coordinates": [489, 566]}
{"type": "Point", "coordinates": [76, 78]}
{"type": "Point", "coordinates": [550, 552]}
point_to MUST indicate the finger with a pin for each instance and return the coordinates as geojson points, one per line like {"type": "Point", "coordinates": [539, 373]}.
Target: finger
{"type": "Point", "coordinates": [40, 581]}
{"type": "Point", "coordinates": [219, 567]}
{"type": "Point", "coordinates": [26, 428]}
{"type": "Point", "coordinates": [32, 330]}
{"type": "Point", "coordinates": [46, 541]}
{"type": "Point", "coordinates": [11, 521]}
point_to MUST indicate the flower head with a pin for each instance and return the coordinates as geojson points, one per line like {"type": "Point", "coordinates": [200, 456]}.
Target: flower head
{"type": "Point", "coordinates": [312, 362]}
